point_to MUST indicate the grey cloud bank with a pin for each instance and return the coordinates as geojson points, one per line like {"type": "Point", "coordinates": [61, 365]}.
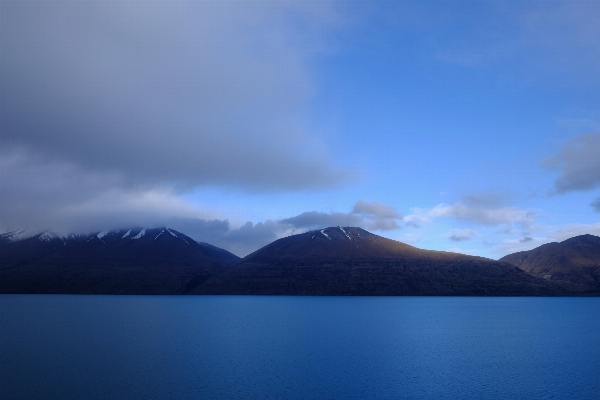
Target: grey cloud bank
{"type": "Point", "coordinates": [110, 111]}
{"type": "Point", "coordinates": [166, 93]}
{"type": "Point", "coordinates": [113, 209]}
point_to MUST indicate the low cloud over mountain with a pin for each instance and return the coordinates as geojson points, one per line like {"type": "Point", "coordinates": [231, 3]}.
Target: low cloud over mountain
{"type": "Point", "coordinates": [374, 216]}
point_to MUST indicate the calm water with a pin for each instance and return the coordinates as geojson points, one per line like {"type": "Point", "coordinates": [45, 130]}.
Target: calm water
{"type": "Point", "coordinates": [227, 347]}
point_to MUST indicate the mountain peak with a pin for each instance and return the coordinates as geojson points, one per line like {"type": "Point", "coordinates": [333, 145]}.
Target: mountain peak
{"type": "Point", "coordinates": [13, 236]}
{"type": "Point", "coordinates": [338, 233]}
{"type": "Point", "coordinates": [583, 239]}
{"type": "Point", "coordinates": [136, 260]}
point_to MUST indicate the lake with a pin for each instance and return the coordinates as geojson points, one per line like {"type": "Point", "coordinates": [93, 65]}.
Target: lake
{"type": "Point", "coordinates": [254, 347]}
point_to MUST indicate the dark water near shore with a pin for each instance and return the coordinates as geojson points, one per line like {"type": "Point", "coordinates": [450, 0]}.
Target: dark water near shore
{"type": "Point", "coordinates": [228, 347]}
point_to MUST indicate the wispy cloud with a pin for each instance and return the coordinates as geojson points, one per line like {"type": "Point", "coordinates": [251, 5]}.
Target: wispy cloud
{"type": "Point", "coordinates": [544, 235]}
{"type": "Point", "coordinates": [474, 213]}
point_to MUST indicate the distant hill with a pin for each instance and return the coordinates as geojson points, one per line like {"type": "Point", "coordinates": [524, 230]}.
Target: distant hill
{"type": "Point", "coordinates": [574, 260]}
{"type": "Point", "coordinates": [352, 261]}
{"type": "Point", "coordinates": [128, 261]}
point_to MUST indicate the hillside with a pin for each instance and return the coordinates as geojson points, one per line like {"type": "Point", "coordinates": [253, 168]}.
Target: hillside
{"type": "Point", "coordinates": [352, 261]}
{"type": "Point", "coordinates": [575, 260]}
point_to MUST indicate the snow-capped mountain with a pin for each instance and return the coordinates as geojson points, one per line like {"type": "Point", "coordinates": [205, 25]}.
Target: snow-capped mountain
{"type": "Point", "coordinates": [331, 261]}
{"type": "Point", "coordinates": [133, 260]}
{"type": "Point", "coordinates": [13, 236]}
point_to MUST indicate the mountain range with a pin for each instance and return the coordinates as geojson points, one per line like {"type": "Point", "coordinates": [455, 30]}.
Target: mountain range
{"type": "Point", "coordinates": [331, 261]}
{"type": "Point", "coordinates": [129, 261]}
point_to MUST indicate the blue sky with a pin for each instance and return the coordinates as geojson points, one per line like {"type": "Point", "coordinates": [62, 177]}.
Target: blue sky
{"type": "Point", "coordinates": [457, 126]}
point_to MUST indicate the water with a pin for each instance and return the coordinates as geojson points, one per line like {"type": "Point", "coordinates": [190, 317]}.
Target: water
{"type": "Point", "coordinates": [245, 347]}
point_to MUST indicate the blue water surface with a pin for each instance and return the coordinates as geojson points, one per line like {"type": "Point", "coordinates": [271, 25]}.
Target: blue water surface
{"type": "Point", "coordinates": [255, 347]}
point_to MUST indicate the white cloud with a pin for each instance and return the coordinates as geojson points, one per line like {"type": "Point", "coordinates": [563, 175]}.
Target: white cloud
{"type": "Point", "coordinates": [545, 235]}
{"type": "Point", "coordinates": [474, 213]}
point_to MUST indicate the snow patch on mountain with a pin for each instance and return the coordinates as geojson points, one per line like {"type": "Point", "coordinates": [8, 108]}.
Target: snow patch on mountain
{"type": "Point", "coordinates": [127, 234]}
{"type": "Point", "coordinates": [171, 232]}
{"type": "Point", "coordinates": [16, 235]}
{"type": "Point", "coordinates": [344, 232]}
{"type": "Point", "coordinates": [47, 236]}
{"type": "Point", "coordinates": [327, 236]}
{"type": "Point", "coordinates": [161, 232]}
{"type": "Point", "coordinates": [139, 235]}
{"type": "Point", "coordinates": [101, 234]}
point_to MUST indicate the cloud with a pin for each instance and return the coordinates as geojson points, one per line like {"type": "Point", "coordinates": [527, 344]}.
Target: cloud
{"type": "Point", "coordinates": [316, 219]}
{"type": "Point", "coordinates": [371, 216]}
{"type": "Point", "coordinates": [596, 204]}
{"type": "Point", "coordinates": [252, 236]}
{"type": "Point", "coordinates": [545, 235]}
{"type": "Point", "coordinates": [171, 93]}
{"type": "Point", "coordinates": [474, 213]}
{"type": "Point", "coordinates": [461, 235]}
{"type": "Point", "coordinates": [375, 209]}
{"type": "Point", "coordinates": [110, 112]}
{"type": "Point", "coordinates": [39, 193]}
{"type": "Point", "coordinates": [578, 164]}
{"type": "Point", "coordinates": [241, 241]}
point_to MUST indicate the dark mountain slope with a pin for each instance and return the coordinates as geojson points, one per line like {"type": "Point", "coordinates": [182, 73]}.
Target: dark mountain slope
{"type": "Point", "coordinates": [574, 260]}
{"type": "Point", "coordinates": [132, 261]}
{"type": "Point", "coordinates": [352, 261]}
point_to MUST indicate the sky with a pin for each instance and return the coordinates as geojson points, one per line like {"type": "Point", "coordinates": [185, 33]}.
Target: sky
{"type": "Point", "coordinates": [464, 126]}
